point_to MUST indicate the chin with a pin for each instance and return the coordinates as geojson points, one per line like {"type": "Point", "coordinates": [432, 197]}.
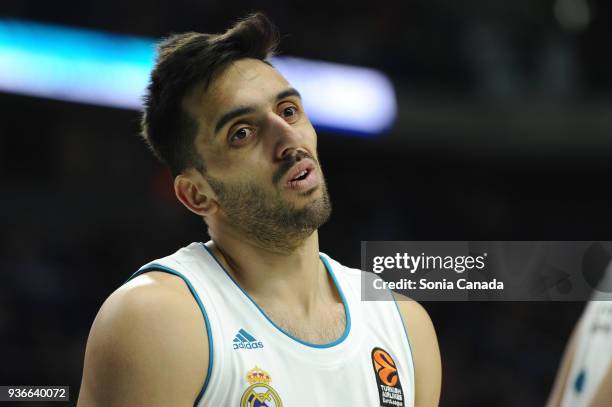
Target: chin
{"type": "Point", "coordinates": [314, 193]}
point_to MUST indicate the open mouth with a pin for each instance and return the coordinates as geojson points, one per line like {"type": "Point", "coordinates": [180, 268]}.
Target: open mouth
{"type": "Point", "coordinates": [302, 175]}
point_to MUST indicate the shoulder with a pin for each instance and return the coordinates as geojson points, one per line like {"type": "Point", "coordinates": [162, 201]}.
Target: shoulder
{"type": "Point", "coordinates": [340, 269]}
{"type": "Point", "coordinates": [148, 345]}
{"type": "Point", "coordinates": [418, 324]}
{"type": "Point", "coordinates": [413, 312]}
{"type": "Point", "coordinates": [425, 351]}
{"type": "Point", "coordinates": [147, 301]}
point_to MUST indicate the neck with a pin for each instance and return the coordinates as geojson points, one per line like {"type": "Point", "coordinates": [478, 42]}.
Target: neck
{"type": "Point", "coordinates": [297, 278]}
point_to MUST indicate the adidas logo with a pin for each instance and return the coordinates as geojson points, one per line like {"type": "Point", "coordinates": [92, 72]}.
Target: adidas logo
{"type": "Point", "coordinates": [244, 340]}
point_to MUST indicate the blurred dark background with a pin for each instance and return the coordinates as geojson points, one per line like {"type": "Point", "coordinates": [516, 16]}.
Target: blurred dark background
{"type": "Point", "coordinates": [503, 133]}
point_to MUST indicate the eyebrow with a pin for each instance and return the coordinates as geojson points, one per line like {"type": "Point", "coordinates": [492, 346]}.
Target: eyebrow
{"type": "Point", "coordinates": [287, 93]}
{"type": "Point", "coordinates": [240, 111]}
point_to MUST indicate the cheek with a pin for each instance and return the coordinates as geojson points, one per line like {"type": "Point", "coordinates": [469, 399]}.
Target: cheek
{"type": "Point", "coordinates": [223, 160]}
{"type": "Point", "coordinates": [310, 135]}
{"type": "Point", "coordinates": [242, 168]}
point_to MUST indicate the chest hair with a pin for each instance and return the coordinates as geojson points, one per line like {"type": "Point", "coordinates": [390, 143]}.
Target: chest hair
{"type": "Point", "coordinates": [323, 327]}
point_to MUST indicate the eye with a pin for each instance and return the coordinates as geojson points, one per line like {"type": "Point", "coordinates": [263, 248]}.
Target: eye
{"type": "Point", "coordinates": [289, 113]}
{"type": "Point", "coordinates": [241, 135]}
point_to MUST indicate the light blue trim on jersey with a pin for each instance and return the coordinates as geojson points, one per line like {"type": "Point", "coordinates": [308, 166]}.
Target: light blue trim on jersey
{"type": "Point", "coordinates": [405, 331]}
{"type": "Point", "coordinates": [347, 328]}
{"type": "Point", "coordinates": [159, 267]}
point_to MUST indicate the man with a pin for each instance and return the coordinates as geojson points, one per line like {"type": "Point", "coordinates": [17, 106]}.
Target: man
{"type": "Point", "coordinates": [257, 316]}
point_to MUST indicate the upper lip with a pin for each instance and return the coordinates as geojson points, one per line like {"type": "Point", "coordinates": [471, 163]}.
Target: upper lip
{"type": "Point", "coordinates": [304, 164]}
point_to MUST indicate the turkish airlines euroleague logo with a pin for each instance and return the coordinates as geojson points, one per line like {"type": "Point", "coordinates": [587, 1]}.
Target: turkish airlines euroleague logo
{"type": "Point", "coordinates": [387, 378]}
{"type": "Point", "coordinates": [385, 367]}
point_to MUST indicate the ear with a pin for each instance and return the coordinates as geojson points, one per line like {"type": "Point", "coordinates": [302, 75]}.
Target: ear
{"type": "Point", "coordinates": [195, 193]}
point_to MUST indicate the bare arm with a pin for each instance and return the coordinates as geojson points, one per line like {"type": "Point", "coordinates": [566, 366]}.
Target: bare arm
{"type": "Point", "coordinates": [147, 347]}
{"type": "Point", "coordinates": [556, 395]}
{"type": "Point", "coordinates": [425, 352]}
{"type": "Point", "coordinates": [603, 396]}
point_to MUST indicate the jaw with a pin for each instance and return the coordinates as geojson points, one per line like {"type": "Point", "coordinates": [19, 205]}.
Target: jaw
{"type": "Point", "coordinates": [302, 199]}
{"type": "Point", "coordinates": [279, 219]}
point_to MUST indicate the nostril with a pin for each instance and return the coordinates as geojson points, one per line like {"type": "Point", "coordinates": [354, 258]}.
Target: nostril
{"type": "Point", "coordinates": [286, 153]}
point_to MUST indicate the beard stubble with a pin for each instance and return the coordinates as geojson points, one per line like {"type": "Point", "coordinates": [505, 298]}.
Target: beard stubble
{"type": "Point", "coordinates": [266, 217]}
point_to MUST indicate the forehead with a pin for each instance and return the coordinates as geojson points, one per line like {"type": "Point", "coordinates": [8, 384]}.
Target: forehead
{"type": "Point", "coordinates": [245, 82]}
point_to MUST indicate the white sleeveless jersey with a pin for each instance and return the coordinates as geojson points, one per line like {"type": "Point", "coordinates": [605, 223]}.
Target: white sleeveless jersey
{"type": "Point", "coordinates": [255, 363]}
{"type": "Point", "coordinates": [593, 348]}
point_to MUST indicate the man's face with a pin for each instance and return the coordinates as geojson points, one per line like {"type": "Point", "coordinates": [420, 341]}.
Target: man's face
{"type": "Point", "coordinates": [260, 151]}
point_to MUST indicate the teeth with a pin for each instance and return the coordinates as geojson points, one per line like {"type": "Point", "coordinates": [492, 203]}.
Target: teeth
{"type": "Point", "coordinates": [301, 174]}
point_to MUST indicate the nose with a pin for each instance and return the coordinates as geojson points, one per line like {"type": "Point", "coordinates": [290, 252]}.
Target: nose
{"type": "Point", "coordinates": [284, 137]}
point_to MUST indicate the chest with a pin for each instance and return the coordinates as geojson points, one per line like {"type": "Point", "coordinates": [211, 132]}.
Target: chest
{"type": "Point", "coordinates": [324, 326]}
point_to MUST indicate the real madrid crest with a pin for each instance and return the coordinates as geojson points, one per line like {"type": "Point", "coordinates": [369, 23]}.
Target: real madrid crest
{"type": "Point", "coordinates": [260, 393]}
